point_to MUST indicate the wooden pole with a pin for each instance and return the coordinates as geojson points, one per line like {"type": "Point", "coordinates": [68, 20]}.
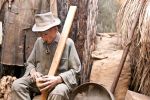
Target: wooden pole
{"type": "Point", "coordinates": [61, 45]}
{"type": "Point", "coordinates": [53, 7]}
{"type": "Point", "coordinates": [126, 50]}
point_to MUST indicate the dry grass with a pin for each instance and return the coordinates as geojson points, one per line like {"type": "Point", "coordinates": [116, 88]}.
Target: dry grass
{"type": "Point", "coordinates": [140, 49]}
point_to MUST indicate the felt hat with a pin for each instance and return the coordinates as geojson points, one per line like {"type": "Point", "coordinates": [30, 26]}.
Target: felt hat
{"type": "Point", "coordinates": [45, 21]}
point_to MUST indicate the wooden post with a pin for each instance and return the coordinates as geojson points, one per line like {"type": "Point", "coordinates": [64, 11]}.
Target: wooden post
{"type": "Point", "coordinates": [61, 45]}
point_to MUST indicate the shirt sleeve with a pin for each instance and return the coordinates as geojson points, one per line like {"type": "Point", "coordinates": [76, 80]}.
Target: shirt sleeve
{"type": "Point", "coordinates": [71, 76]}
{"type": "Point", "coordinates": [31, 61]}
{"type": "Point", "coordinates": [2, 3]}
{"type": "Point", "coordinates": [2, 10]}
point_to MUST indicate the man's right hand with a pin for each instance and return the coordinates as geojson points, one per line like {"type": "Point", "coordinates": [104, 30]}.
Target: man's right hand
{"type": "Point", "coordinates": [34, 74]}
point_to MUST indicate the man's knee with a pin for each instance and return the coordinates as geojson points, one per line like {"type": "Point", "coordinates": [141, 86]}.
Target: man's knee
{"type": "Point", "coordinates": [61, 90]}
{"type": "Point", "coordinates": [16, 85]}
{"type": "Point", "coordinates": [19, 85]}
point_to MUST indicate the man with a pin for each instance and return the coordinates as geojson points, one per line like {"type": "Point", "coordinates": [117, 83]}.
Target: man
{"type": "Point", "coordinates": [18, 39]}
{"type": "Point", "coordinates": [39, 62]}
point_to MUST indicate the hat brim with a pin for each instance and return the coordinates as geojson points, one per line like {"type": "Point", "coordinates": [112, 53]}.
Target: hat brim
{"type": "Point", "coordinates": [36, 28]}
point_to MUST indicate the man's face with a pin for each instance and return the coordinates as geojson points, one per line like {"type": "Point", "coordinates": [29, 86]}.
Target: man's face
{"type": "Point", "coordinates": [49, 35]}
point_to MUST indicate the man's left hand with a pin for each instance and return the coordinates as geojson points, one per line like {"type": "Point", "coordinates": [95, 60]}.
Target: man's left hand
{"type": "Point", "coordinates": [47, 83]}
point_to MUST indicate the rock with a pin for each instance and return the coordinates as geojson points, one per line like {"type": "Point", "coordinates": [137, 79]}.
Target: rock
{"type": "Point", "coordinates": [135, 96]}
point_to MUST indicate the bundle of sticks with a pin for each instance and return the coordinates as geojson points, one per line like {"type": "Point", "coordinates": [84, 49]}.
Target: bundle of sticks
{"type": "Point", "coordinates": [5, 86]}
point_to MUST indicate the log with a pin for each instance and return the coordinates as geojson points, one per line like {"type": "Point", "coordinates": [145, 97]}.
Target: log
{"type": "Point", "coordinates": [135, 96]}
{"type": "Point", "coordinates": [110, 49]}
{"type": "Point", "coordinates": [61, 44]}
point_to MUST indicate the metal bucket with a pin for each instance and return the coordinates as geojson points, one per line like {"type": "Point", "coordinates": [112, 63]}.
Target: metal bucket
{"type": "Point", "coordinates": [91, 91]}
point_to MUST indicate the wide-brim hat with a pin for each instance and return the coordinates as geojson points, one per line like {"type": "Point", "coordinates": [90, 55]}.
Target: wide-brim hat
{"type": "Point", "coordinates": [45, 21]}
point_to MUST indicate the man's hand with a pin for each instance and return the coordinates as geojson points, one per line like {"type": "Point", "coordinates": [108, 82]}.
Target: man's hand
{"type": "Point", "coordinates": [47, 83]}
{"type": "Point", "coordinates": [34, 74]}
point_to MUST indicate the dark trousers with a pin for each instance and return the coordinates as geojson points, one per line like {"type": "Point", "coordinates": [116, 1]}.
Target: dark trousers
{"type": "Point", "coordinates": [11, 70]}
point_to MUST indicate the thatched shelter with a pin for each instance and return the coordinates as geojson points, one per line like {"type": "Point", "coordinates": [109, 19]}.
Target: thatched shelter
{"type": "Point", "coordinates": [139, 51]}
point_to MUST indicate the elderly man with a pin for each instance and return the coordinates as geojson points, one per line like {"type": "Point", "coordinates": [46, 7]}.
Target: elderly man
{"type": "Point", "coordinates": [18, 39]}
{"type": "Point", "coordinates": [39, 62]}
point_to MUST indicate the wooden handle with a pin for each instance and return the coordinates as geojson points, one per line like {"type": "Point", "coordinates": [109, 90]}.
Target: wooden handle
{"type": "Point", "coordinates": [43, 96]}
{"type": "Point", "coordinates": [61, 44]}
{"type": "Point", "coordinates": [62, 41]}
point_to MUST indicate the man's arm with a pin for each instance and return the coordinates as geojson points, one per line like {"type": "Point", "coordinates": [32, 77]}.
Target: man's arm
{"type": "Point", "coordinates": [31, 61]}
{"type": "Point", "coordinates": [30, 65]}
{"type": "Point", "coordinates": [71, 76]}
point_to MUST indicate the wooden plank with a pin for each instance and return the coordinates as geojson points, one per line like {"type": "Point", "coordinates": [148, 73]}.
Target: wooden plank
{"type": "Point", "coordinates": [62, 41]}
{"type": "Point", "coordinates": [61, 44]}
{"type": "Point", "coordinates": [53, 7]}
{"type": "Point", "coordinates": [135, 96]}
{"type": "Point", "coordinates": [36, 97]}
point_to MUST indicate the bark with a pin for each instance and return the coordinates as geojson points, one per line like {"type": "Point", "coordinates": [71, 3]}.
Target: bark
{"type": "Point", "coordinates": [89, 44]}
{"type": "Point", "coordinates": [83, 30]}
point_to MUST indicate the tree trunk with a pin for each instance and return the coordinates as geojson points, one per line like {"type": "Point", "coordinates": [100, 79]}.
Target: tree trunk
{"type": "Point", "coordinates": [83, 30]}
